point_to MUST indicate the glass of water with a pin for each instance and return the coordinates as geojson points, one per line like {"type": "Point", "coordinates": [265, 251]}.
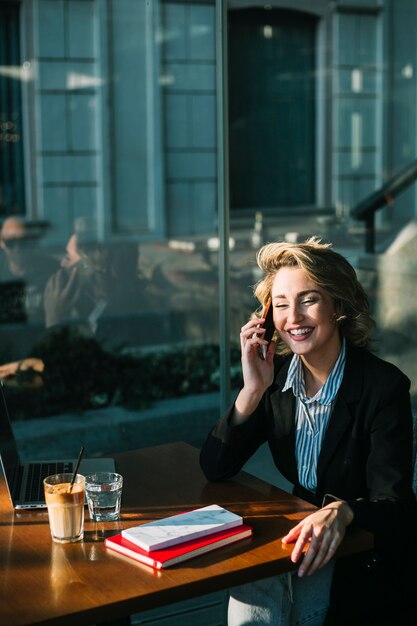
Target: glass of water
{"type": "Point", "coordinates": [104, 494]}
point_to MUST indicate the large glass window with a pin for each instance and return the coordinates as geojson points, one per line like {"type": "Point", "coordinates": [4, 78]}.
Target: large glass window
{"type": "Point", "coordinates": [322, 117]}
{"type": "Point", "coordinates": [111, 224]}
{"type": "Point", "coordinates": [109, 313]}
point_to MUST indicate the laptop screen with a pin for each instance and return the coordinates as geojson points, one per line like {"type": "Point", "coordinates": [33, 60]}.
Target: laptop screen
{"type": "Point", "coordinates": [9, 455]}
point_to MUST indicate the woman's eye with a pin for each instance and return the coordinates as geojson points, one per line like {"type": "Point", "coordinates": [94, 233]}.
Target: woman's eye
{"type": "Point", "coordinates": [309, 300]}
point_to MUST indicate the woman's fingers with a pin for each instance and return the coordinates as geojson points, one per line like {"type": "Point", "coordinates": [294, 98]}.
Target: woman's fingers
{"type": "Point", "coordinates": [325, 554]}
{"type": "Point", "coordinates": [323, 532]}
{"type": "Point", "coordinates": [251, 334]}
{"type": "Point", "coordinates": [306, 537]}
{"type": "Point", "coordinates": [254, 325]}
{"type": "Point", "coordinates": [310, 554]}
{"type": "Point", "coordinates": [321, 551]}
{"type": "Point", "coordinates": [271, 351]}
{"type": "Point", "coordinates": [316, 553]}
{"type": "Point", "coordinates": [257, 372]}
{"type": "Point", "coordinates": [251, 328]}
{"type": "Point", "coordinates": [293, 533]}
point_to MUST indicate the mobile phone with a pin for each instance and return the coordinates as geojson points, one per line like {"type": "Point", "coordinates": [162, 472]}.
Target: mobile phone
{"type": "Point", "coordinates": [268, 315]}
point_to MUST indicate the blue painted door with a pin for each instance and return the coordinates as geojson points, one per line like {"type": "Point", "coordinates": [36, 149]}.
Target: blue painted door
{"type": "Point", "coordinates": [271, 108]}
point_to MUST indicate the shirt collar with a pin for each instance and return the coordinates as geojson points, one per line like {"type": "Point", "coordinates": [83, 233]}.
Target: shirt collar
{"type": "Point", "coordinates": [325, 395]}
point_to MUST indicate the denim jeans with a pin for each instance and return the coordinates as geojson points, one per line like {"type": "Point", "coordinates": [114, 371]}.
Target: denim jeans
{"type": "Point", "coordinates": [284, 600]}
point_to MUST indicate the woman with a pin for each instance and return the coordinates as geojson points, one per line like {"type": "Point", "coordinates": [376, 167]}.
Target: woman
{"type": "Point", "coordinates": [338, 423]}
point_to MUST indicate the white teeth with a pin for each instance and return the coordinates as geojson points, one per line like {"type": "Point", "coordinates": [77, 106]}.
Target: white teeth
{"type": "Point", "coordinates": [300, 331]}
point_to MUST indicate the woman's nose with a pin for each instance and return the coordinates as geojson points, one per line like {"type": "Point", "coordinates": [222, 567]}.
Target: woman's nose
{"type": "Point", "coordinates": [294, 314]}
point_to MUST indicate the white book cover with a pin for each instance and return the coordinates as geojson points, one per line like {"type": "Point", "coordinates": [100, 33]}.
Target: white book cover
{"type": "Point", "coordinates": [183, 527]}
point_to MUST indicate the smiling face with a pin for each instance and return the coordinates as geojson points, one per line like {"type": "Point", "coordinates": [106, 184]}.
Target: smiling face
{"type": "Point", "coordinates": [304, 316]}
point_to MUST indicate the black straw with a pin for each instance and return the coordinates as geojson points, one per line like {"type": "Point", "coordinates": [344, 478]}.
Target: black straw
{"type": "Point", "coordinates": [77, 465]}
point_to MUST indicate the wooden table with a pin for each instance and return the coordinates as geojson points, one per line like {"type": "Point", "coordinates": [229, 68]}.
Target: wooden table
{"type": "Point", "coordinates": [84, 583]}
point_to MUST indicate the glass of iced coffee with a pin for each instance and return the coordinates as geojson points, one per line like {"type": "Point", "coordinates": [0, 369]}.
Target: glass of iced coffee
{"type": "Point", "coordinates": [65, 506]}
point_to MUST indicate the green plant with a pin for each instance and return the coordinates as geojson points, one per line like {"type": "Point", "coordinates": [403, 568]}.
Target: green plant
{"type": "Point", "coordinates": [79, 374]}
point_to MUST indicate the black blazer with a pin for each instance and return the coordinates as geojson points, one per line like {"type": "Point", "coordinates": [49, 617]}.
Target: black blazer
{"type": "Point", "coordinates": [366, 455]}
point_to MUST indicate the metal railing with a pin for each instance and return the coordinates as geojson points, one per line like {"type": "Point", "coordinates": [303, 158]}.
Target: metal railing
{"type": "Point", "coordinates": [381, 198]}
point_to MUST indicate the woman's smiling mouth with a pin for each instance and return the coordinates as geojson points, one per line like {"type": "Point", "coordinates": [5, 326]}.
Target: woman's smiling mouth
{"type": "Point", "coordinates": [300, 333]}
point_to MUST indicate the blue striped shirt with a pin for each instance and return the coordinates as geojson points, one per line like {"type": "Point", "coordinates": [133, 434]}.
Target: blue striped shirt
{"type": "Point", "coordinates": [312, 415]}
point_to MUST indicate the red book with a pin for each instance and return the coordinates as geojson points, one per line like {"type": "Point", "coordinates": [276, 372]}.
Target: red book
{"type": "Point", "coordinates": [181, 552]}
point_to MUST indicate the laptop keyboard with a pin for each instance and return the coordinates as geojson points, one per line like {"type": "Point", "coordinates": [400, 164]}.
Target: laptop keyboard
{"type": "Point", "coordinates": [36, 473]}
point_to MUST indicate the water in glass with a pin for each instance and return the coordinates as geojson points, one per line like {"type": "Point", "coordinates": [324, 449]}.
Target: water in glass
{"type": "Point", "coordinates": [104, 493]}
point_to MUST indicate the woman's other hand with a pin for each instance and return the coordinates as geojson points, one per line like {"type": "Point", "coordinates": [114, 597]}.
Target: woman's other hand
{"type": "Point", "coordinates": [322, 532]}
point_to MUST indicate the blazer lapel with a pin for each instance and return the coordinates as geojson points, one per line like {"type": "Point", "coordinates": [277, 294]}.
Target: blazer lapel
{"type": "Point", "coordinates": [283, 406]}
{"type": "Point", "coordinates": [343, 412]}
{"type": "Point", "coordinates": [283, 411]}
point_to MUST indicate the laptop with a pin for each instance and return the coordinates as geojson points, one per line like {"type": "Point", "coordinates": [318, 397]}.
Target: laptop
{"type": "Point", "coordinates": [25, 480]}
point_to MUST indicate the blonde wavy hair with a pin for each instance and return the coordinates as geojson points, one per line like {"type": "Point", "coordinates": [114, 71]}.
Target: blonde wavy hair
{"type": "Point", "coordinates": [330, 271]}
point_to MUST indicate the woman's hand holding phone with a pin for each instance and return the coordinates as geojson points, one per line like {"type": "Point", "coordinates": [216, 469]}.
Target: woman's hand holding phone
{"type": "Point", "coordinates": [258, 372]}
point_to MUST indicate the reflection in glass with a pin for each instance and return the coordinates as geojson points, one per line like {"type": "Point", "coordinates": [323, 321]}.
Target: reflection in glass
{"type": "Point", "coordinates": [103, 318]}
{"type": "Point", "coordinates": [109, 247]}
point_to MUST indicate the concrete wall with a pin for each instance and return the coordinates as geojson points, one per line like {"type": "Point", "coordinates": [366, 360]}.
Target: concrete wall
{"type": "Point", "coordinates": [390, 280]}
